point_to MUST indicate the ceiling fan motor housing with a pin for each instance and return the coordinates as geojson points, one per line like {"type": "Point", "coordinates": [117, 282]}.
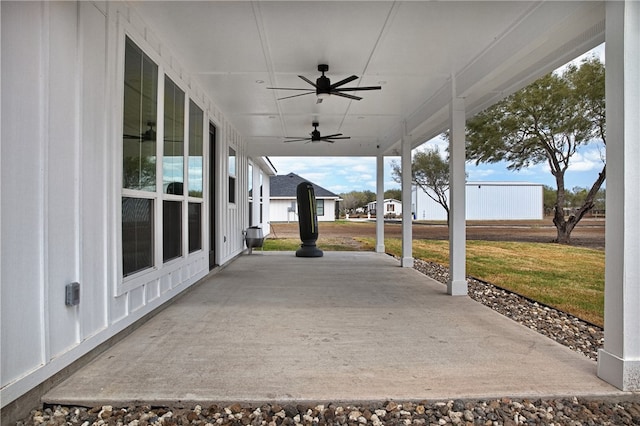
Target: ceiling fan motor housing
{"type": "Point", "coordinates": [323, 83]}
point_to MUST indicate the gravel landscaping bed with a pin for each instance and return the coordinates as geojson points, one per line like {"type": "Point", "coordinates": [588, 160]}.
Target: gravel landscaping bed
{"type": "Point", "coordinates": [578, 335]}
{"type": "Point", "coordinates": [505, 411]}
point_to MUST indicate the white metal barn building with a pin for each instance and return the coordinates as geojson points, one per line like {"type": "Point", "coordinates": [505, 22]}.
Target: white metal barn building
{"type": "Point", "coordinates": [134, 134]}
{"type": "Point", "coordinates": [487, 201]}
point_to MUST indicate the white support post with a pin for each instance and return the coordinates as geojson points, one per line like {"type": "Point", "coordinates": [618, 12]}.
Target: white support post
{"type": "Point", "coordinates": [457, 285]}
{"type": "Point", "coordinates": [619, 360]}
{"type": "Point", "coordinates": [380, 204]}
{"type": "Point", "coordinates": [407, 219]}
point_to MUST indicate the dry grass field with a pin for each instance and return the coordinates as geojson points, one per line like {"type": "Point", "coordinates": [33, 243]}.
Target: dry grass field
{"type": "Point", "coordinates": [589, 232]}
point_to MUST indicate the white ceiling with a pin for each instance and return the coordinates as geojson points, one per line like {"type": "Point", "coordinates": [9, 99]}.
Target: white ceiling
{"type": "Point", "coordinates": [412, 49]}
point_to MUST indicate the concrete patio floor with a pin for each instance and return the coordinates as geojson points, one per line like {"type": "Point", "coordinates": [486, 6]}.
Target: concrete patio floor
{"type": "Point", "coordinates": [350, 326]}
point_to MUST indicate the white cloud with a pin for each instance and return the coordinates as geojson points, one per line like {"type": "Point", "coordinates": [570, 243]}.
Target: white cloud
{"type": "Point", "coordinates": [587, 159]}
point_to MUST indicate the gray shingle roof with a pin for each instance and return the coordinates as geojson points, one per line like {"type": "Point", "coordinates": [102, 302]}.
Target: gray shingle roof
{"type": "Point", "coordinates": [286, 185]}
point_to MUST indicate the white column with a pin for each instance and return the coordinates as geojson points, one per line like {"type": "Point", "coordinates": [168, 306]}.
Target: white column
{"type": "Point", "coordinates": [619, 360]}
{"type": "Point", "coordinates": [380, 203]}
{"type": "Point", "coordinates": [457, 285]}
{"type": "Point", "coordinates": [407, 220]}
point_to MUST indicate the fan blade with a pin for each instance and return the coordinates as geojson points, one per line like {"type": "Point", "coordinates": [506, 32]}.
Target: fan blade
{"type": "Point", "coordinates": [295, 96]}
{"type": "Point", "coordinates": [326, 140]}
{"type": "Point", "coordinates": [132, 137]}
{"type": "Point", "coordinates": [355, 89]}
{"type": "Point", "coordinates": [297, 140]}
{"type": "Point", "coordinates": [345, 81]}
{"type": "Point", "coordinates": [333, 136]}
{"type": "Point", "coordinates": [285, 88]}
{"type": "Point", "coordinates": [308, 81]}
{"type": "Point", "coordinates": [344, 95]}
{"type": "Point", "coordinates": [341, 137]}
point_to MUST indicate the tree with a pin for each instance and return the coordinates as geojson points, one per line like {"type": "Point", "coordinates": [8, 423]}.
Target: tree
{"type": "Point", "coordinates": [430, 172]}
{"type": "Point", "coordinates": [546, 121]}
{"type": "Point", "coordinates": [356, 199]}
{"type": "Point", "coordinates": [395, 194]}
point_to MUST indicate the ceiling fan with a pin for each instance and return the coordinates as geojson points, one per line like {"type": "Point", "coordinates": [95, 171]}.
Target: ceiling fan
{"type": "Point", "coordinates": [316, 137]}
{"type": "Point", "coordinates": [148, 135]}
{"type": "Point", "coordinates": [324, 88]}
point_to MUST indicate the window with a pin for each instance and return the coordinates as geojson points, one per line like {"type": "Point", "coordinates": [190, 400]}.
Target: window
{"type": "Point", "coordinates": [195, 227]}
{"type": "Point", "coordinates": [137, 234]}
{"type": "Point", "coordinates": [319, 207]}
{"type": "Point", "coordinates": [195, 174]}
{"type": "Point", "coordinates": [171, 230]}
{"type": "Point", "coordinates": [172, 169]}
{"type": "Point", "coordinates": [173, 146]}
{"type": "Point", "coordinates": [232, 175]}
{"type": "Point", "coordinates": [138, 159]}
{"type": "Point", "coordinates": [140, 110]}
{"type": "Point", "coordinates": [196, 138]}
{"type": "Point", "coordinates": [261, 199]}
{"type": "Point", "coordinates": [161, 203]}
{"type": "Point", "coordinates": [250, 189]}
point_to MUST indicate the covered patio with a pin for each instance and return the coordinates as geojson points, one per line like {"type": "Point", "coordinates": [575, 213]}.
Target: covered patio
{"type": "Point", "coordinates": [350, 326]}
{"type": "Point", "coordinates": [200, 94]}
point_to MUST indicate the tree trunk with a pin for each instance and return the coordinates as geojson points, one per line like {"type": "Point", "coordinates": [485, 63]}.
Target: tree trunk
{"type": "Point", "coordinates": [562, 236]}
{"type": "Point", "coordinates": [565, 227]}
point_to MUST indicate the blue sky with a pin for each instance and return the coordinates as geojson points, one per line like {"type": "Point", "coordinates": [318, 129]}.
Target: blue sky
{"type": "Point", "coordinates": [345, 174]}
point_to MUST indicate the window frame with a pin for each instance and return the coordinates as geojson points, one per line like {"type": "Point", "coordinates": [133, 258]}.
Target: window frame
{"type": "Point", "coordinates": [232, 172]}
{"type": "Point", "coordinates": [133, 192]}
{"type": "Point", "coordinates": [159, 268]}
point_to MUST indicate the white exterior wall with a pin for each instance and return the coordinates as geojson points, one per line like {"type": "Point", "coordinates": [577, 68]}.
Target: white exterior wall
{"type": "Point", "coordinates": [488, 201]}
{"type": "Point", "coordinates": [279, 210]}
{"type": "Point", "coordinates": [61, 172]}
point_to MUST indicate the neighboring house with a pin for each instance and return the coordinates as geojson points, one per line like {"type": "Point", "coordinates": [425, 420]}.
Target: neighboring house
{"type": "Point", "coordinates": [283, 203]}
{"type": "Point", "coordinates": [487, 201]}
{"type": "Point", "coordinates": [392, 207]}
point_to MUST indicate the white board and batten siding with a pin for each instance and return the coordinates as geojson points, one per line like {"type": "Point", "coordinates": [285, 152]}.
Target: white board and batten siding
{"type": "Point", "coordinates": [488, 201]}
{"type": "Point", "coordinates": [61, 180]}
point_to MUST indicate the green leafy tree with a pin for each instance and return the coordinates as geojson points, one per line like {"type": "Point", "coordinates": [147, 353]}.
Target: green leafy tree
{"type": "Point", "coordinates": [356, 199]}
{"type": "Point", "coordinates": [546, 122]}
{"type": "Point", "coordinates": [548, 199]}
{"type": "Point", "coordinates": [395, 194]}
{"type": "Point", "coordinates": [368, 197]}
{"type": "Point", "coordinates": [430, 172]}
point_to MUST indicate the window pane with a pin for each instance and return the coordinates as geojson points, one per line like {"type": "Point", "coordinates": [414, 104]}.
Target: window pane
{"type": "Point", "coordinates": [232, 189]}
{"type": "Point", "coordinates": [171, 230]}
{"type": "Point", "coordinates": [195, 227]}
{"type": "Point", "coordinates": [232, 162]}
{"type": "Point", "coordinates": [320, 207]}
{"type": "Point", "coordinates": [196, 117]}
{"type": "Point", "coordinates": [140, 111]}
{"type": "Point", "coordinates": [137, 234]}
{"type": "Point", "coordinates": [173, 153]}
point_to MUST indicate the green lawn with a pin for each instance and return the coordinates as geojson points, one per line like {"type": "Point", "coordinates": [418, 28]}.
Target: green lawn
{"type": "Point", "coordinates": [568, 278]}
